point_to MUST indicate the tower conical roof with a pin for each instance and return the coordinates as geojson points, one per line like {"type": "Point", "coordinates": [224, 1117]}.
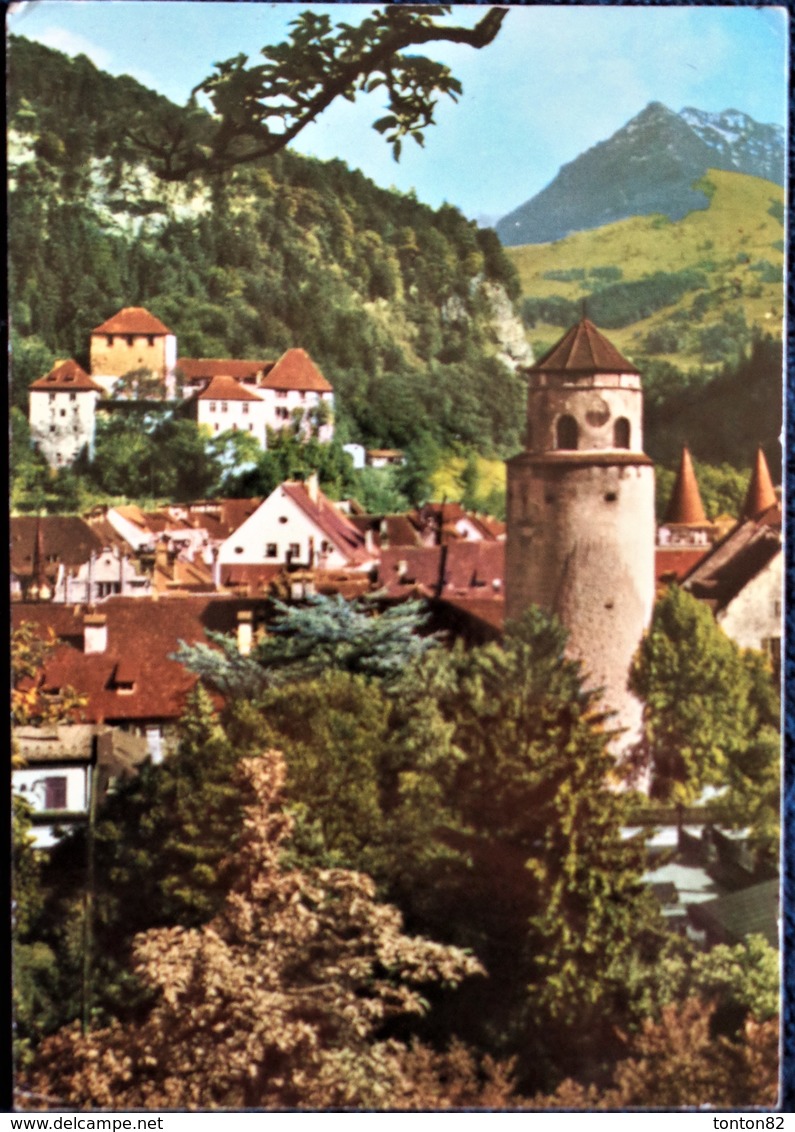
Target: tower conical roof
{"type": "Point", "coordinates": [584, 349]}
{"type": "Point", "coordinates": [761, 494]}
{"type": "Point", "coordinates": [685, 504]}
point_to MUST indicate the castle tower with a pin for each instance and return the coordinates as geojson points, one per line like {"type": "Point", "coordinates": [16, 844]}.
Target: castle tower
{"type": "Point", "coordinates": [581, 534]}
{"type": "Point", "coordinates": [132, 340]}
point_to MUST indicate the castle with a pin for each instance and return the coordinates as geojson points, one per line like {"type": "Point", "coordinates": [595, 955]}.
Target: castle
{"type": "Point", "coordinates": [133, 356]}
{"type": "Point", "coordinates": [581, 530]}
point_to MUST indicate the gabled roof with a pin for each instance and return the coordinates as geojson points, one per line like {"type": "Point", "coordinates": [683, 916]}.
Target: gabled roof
{"type": "Point", "coordinates": [63, 539]}
{"type": "Point", "coordinates": [142, 636]}
{"type": "Point", "coordinates": [672, 563]}
{"type": "Point", "coordinates": [67, 375]}
{"type": "Point", "coordinates": [196, 368]}
{"type": "Point", "coordinates": [761, 494]}
{"type": "Point", "coordinates": [459, 569]}
{"type": "Point", "coordinates": [732, 917]}
{"type": "Point", "coordinates": [296, 370]}
{"type": "Point", "coordinates": [736, 560]}
{"type": "Point", "coordinates": [583, 349]}
{"type": "Point", "coordinates": [224, 388]}
{"type": "Point", "coordinates": [132, 320]}
{"type": "Point", "coordinates": [685, 504]}
{"type": "Point", "coordinates": [221, 517]}
{"type": "Point", "coordinates": [330, 520]}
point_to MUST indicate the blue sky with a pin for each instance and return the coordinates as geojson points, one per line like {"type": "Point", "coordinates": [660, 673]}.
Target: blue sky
{"type": "Point", "coordinates": [557, 80]}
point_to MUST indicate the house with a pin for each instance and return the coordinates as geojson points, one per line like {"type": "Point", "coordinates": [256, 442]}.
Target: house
{"type": "Point", "coordinates": [734, 916]}
{"type": "Point", "coordinates": [383, 458]}
{"type": "Point", "coordinates": [294, 389]}
{"type": "Point", "coordinates": [59, 766]}
{"type": "Point", "coordinates": [133, 340]}
{"type": "Point", "coordinates": [226, 404]}
{"type": "Point", "coordinates": [297, 525]}
{"type": "Point", "coordinates": [62, 413]}
{"type": "Point", "coordinates": [120, 656]}
{"type": "Point", "coordinates": [44, 546]}
{"type": "Point", "coordinates": [741, 578]}
{"type": "Point", "coordinates": [254, 396]}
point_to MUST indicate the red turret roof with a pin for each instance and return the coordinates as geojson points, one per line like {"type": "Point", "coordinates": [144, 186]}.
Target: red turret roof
{"type": "Point", "coordinates": [761, 494]}
{"type": "Point", "coordinates": [67, 375]}
{"type": "Point", "coordinates": [132, 320]}
{"type": "Point", "coordinates": [227, 389]}
{"type": "Point", "coordinates": [583, 349]}
{"type": "Point", "coordinates": [685, 505]}
{"type": "Point", "coordinates": [296, 370]}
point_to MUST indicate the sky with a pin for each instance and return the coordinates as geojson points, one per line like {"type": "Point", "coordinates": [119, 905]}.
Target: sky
{"type": "Point", "coordinates": [557, 80]}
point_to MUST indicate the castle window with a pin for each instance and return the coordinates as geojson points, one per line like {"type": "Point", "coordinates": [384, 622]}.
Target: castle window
{"type": "Point", "coordinates": [224, 406]}
{"type": "Point", "coordinates": [567, 432]}
{"type": "Point", "coordinates": [108, 339]}
{"type": "Point", "coordinates": [245, 407]}
{"type": "Point", "coordinates": [271, 550]}
{"type": "Point", "coordinates": [621, 433]}
{"type": "Point", "coordinates": [50, 396]}
{"type": "Point", "coordinates": [130, 340]}
{"type": "Point", "coordinates": [72, 396]}
{"type": "Point", "coordinates": [212, 406]}
{"type": "Point", "coordinates": [150, 340]}
{"type": "Point", "coordinates": [610, 497]}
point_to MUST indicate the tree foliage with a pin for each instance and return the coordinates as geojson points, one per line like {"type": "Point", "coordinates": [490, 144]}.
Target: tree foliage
{"type": "Point", "coordinates": [277, 1002]}
{"type": "Point", "coordinates": [260, 109]}
{"type": "Point", "coordinates": [711, 715]}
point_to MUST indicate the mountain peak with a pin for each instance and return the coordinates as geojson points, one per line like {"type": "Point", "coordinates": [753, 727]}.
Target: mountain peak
{"type": "Point", "coordinates": [649, 165]}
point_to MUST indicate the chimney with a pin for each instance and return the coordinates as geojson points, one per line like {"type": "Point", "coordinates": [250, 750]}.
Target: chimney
{"type": "Point", "coordinates": [245, 631]}
{"type": "Point", "coordinates": [313, 488]}
{"type": "Point", "coordinates": [95, 633]}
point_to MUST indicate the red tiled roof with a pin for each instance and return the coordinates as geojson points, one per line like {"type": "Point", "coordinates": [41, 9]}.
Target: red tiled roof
{"type": "Point", "coordinates": [761, 494]}
{"type": "Point", "coordinates": [132, 320]}
{"type": "Point", "coordinates": [67, 375]}
{"type": "Point", "coordinates": [338, 527]}
{"type": "Point", "coordinates": [674, 562]}
{"type": "Point", "coordinates": [142, 635]}
{"type": "Point", "coordinates": [296, 370]}
{"type": "Point", "coordinates": [685, 504]}
{"type": "Point", "coordinates": [583, 349]}
{"type": "Point", "coordinates": [223, 388]}
{"type": "Point", "coordinates": [221, 517]}
{"type": "Point", "coordinates": [64, 539]}
{"type": "Point", "coordinates": [196, 368]}
{"type": "Point", "coordinates": [469, 568]}
{"type": "Point", "coordinates": [260, 576]}
{"type": "Point", "coordinates": [489, 612]}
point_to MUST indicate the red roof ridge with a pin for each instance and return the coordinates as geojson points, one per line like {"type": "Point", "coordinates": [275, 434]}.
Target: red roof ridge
{"type": "Point", "coordinates": [225, 388]}
{"type": "Point", "coordinates": [67, 375]}
{"type": "Point", "coordinates": [296, 370]}
{"type": "Point", "coordinates": [132, 320]}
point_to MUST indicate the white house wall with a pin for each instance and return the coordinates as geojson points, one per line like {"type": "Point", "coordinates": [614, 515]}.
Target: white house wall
{"type": "Point", "coordinates": [754, 617]}
{"type": "Point", "coordinates": [243, 416]}
{"type": "Point", "coordinates": [62, 422]}
{"type": "Point", "coordinates": [277, 524]}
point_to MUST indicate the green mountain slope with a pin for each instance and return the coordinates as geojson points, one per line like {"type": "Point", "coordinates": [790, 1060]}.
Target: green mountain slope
{"type": "Point", "coordinates": [406, 309]}
{"type": "Point", "coordinates": [672, 290]}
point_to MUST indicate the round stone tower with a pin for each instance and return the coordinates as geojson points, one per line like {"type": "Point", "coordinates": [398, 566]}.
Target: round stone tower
{"type": "Point", "coordinates": [581, 532]}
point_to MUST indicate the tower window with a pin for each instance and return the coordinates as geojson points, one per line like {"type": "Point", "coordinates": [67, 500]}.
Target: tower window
{"type": "Point", "coordinates": [621, 433]}
{"type": "Point", "coordinates": [567, 432]}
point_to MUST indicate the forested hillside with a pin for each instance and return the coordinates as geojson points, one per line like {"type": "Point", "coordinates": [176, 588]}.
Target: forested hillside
{"type": "Point", "coordinates": [396, 302]}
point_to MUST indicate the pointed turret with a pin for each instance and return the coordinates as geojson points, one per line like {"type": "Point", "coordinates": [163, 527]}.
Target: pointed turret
{"type": "Point", "coordinates": [583, 349]}
{"type": "Point", "coordinates": [685, 504]}
{"type": "Point", "coordinates": [761, 494]}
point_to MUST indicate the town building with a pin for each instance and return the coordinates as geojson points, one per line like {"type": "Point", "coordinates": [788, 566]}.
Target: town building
{"type": "Point", "coordinates": [62, 413]}
{"type": "Point", "coordinates": [133, 341]}
{"type": "Point", "coordinates": [741, 577]}
{"type": "Point", "coordinates": [297, 525]}
{"type": "Point", "coordinates": [581, 530]}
